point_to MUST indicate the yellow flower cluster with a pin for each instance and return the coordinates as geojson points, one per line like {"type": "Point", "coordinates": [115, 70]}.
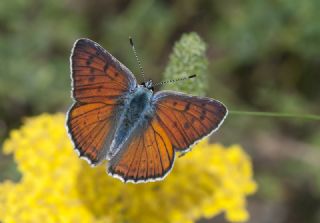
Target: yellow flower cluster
{"type": "Point", "coordinates": [57, 186]}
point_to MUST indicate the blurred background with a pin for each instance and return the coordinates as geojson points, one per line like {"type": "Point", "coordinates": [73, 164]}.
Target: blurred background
{"type": "Point", "coordinates": [263, 56]}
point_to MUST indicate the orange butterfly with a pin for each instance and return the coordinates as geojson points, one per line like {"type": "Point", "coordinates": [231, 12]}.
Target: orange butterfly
{"type": "Point", "coordinates": [137, 130]}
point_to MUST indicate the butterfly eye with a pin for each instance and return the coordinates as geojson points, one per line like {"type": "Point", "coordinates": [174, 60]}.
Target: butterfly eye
{"type": "Point", "coordinates": [148, 85]}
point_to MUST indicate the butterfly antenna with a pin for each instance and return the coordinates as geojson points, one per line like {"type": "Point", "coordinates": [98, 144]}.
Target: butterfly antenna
{"type": "Point", "coordinates": [173, 81]}
{"type": "Point", "coordinates": [136, 55]}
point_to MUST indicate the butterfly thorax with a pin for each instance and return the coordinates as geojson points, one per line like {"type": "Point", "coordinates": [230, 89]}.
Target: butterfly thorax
{"type": "Point", "coordinates": [136, 111]}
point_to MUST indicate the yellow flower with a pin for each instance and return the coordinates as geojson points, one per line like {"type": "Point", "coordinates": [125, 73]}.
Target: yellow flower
{"type": "Point", "coordinates": [57, 186]}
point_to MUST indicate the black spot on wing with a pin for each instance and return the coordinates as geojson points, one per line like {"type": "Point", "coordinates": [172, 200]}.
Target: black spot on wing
{"type": "Point", "coordinates": [105, 68]}
{"type": "Point", "coordinates": [91, 78]}
{"type": "Point", "coordinates": [187, 107]}
{"type": "Point", "coordinates": [186, 125]}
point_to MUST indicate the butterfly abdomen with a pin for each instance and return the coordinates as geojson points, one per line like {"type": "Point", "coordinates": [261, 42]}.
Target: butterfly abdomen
{"type": "Point", "coordinates": [136, 112]}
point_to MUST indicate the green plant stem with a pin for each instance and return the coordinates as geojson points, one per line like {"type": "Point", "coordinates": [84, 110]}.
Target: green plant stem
{"type": "Point", "coordinates": [276, 115]}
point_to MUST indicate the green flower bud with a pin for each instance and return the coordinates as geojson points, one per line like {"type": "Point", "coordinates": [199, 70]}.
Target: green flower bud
{"type": "Point", "coordinates": [188, 58]}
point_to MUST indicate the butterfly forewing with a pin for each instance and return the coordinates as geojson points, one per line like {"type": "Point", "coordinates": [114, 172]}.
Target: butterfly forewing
{"type": "Point", "coordinates": [97, 75]}
{"type": "Point", "coordinates": [186, 119]}
{"type": "Point", "coordinates": [99, 84]}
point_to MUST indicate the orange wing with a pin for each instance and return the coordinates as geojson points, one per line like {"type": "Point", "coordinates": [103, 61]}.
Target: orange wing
{"type": "Point", "coordinates": [100, 83]}
{"type": "Point", "coordinates": [186, 119]}
{"type": "Point", "coordinates": [90, 127]}
{"type": "Point", "coordinates": [97, 76]}
{"type": "Point", "coordinates": [147, 156]}
{"type": "Point", "coordinates": [179, 121]}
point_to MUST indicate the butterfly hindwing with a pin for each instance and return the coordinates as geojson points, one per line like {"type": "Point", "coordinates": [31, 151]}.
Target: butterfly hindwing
{"type": "Point", "coordinates": [147, 156]}
{"type": "Point", "coordinates": [186, 119]}
{"type": "Point", "coordinates": [178, 121]}
{"type": "Point", "coordinates": [91, 127]}
{"type": "Point", "coordinates": [99, 84]}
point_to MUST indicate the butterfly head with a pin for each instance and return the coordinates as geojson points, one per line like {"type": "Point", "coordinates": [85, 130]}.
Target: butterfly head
{"type": "Point", "coordinates": [148, 85]}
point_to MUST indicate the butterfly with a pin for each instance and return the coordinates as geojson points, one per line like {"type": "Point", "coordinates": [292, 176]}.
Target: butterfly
{"type": "Point", "coordinates": [138, 131]}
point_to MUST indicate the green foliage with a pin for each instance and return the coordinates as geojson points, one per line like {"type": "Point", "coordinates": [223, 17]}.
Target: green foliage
{"type": "Point", "coordinates": [256, 28]}
{"type": "Point", "coordinates": [34, 49]}
{"type": "Point", "coordinates": [188, 58]}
